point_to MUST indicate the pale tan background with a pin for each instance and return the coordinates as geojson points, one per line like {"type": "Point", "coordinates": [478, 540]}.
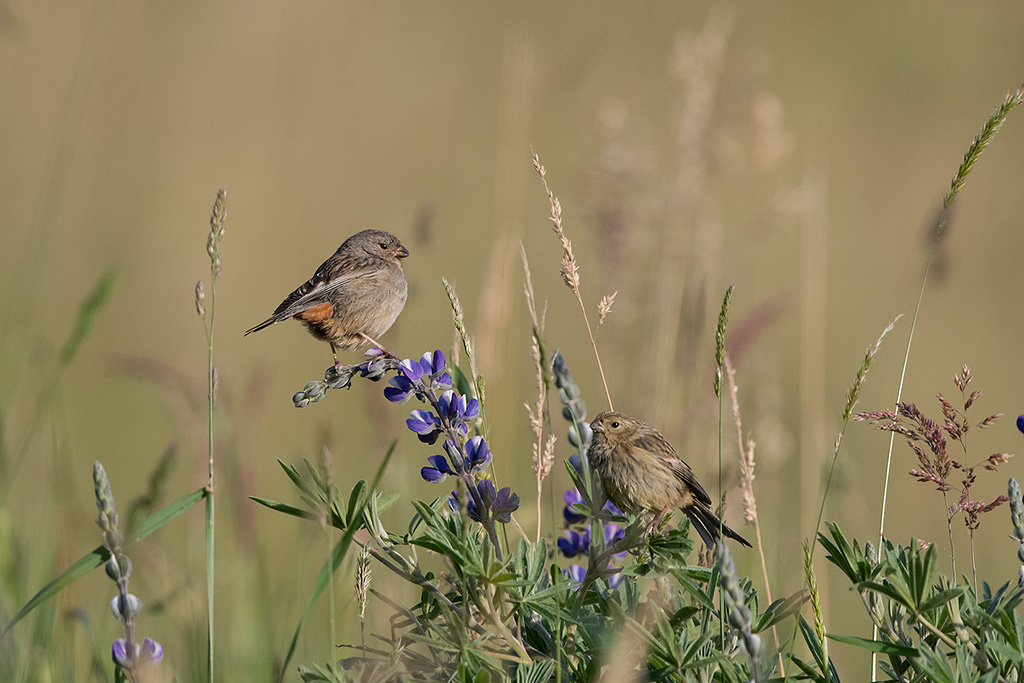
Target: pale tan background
{"type": "Point", "coordinates": [796, 150]}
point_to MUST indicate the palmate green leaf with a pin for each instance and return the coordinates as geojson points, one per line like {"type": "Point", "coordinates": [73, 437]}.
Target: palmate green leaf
{"type": "Point", "coordinates": [540, 671]}
{"type": "Point", "coordinates": [875, 645]}
{"type": "Point", "coordinates": [691, 587]}
{"type": "Point", "coordinates": [337, 555]}
{"type": "Point", "coordinates": [1004, 650]}
{"type": "Point", "coordinates": [100, 554]}
{"type": "Point", "coordinates": [887, 590]}
{"type": "Point", "coordinates": [936, 665]}
{"type": "Point", "coordinates": [297, 479]}
{"type": "Point", "coordinates": [941, 598]}
{"type": "Point", "coordinates": [779, 610]}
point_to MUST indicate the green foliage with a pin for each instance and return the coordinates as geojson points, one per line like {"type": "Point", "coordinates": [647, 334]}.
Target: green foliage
{"type": "Point", "coordinates": [930, 628]}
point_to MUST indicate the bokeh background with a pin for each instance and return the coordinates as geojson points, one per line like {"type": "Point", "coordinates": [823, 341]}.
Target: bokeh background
{"type": "Point", "coordinates": [798, 151]}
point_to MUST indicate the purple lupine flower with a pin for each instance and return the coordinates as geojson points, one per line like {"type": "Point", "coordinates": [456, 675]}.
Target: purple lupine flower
{"type": "Point", "coordinates": [399, 389]}
{"type": "Point", "coordinates": [426, 425]}
{"type": "Point", "coordinates": [433, 364]}
{"type": "Point", "coordinates": [614, 580]}
{"type": "Point", "coordinates": [152, 652]}
{"type": "Point", "coordinates": [611, 507]}
{"type": "Point", "coordinates": [504, 504]}
{"type": "Point", "coordinates": [576, 573]}
{"type": "Point", "coordinates": [478, 455]}
{"type": "Point", "coordinates": [469, 410]}
{"type": "Point", "coordinates": [126, 657]}
{"type": "Point", "coordinates": [1020, 423]}
{"type": "Point", "coordinates": [613, 533]}
{"type": "Point", "coordinates": [121, 654]}
{"type": "Point", "coordinates": [574, 543]}
{"type": "Point", "coordinates": [448, 404]}
{"type": "Point", "coordinates": [438, 471]}
{"type": "Point", "coordinates": [577, 462]}
{"type": "Point", "coordinates": [572, 496]}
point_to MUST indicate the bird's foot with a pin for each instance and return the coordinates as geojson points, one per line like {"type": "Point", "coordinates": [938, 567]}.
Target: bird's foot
{"type": "Point", "coordinates": [384, 351]}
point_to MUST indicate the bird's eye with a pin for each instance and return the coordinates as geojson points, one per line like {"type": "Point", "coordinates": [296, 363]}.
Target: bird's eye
{"type": "Point", "coordinates": [382, 245]}
{"type": "Point", "coordinates": [615, 424]}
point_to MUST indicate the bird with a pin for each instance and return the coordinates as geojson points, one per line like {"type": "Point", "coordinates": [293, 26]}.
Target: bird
{"type": "Point", "coordinates": [640, 472]}
{"type": "Point", "coordinates": [353, 297]}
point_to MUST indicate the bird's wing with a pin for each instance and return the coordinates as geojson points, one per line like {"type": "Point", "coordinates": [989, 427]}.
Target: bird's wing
{"type": "Point", "coordinates": [654, 443]}
{"type": "Point", "coordinates": [313, 291]}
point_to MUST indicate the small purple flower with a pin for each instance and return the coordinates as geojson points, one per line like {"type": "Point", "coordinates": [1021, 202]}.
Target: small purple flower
{"type": "Point", "coordinates": [152, 651]}
{"type": "Point", "coordinates": [448, 405]}
{"type": "Point", "coordinates": [411, 370]}
{"type": "Point", "coordinates": [439, 470]}
{"type": "Point", "coordinates": [469, 410]}
{"type": "Point", "coordinates": [574, 543]}
{"type": "Point", "coordinates": [576, 573]}
{"type": "Point", "coordinates": [504, 505]}
{"type": "Point", "coordinates": [577, 462]}
{"type": "Point", "coordinates": [426, 425]}
{"type": "Point", "coordinates": [614, 580]}
{"type": "Point", "coordinates": [572, 496]}
{"type": "Point", "coordinates": [433, 364]}
{"type": "Point", "coordinates": [149, 652]}
{"type": "Point", "coordinates": [121, 655]}
{"type": "Point", "coordinates": [610, 507]}
{"type": "Point", "coordinates": [499, 505]}
{"type": "Point", "coordinates": [399, 389]}
{"type": "Point", "coordinates": [1020, 423]}
{"type": "Point", "coordinates": [478, 455]}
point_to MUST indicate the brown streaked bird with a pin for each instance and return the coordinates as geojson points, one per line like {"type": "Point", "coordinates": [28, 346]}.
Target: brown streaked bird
{"type": "Point", "coordinates": [353, 297]}
{"type": "Point", "coordinates": [640, 472]}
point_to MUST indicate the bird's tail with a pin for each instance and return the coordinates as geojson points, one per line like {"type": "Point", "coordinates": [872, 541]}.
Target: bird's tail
{"type": "Point", "coordinates": [266, 323]}
{"type": "Point", "coordinates": [706, 524]}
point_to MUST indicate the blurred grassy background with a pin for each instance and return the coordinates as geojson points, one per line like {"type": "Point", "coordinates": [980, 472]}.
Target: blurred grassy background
{"type": "Point", "coordinates": [796, 150]}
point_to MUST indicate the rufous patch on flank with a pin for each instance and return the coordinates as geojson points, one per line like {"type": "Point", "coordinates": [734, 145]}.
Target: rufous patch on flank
{"type": "Point", "coordinates": [317, 314]}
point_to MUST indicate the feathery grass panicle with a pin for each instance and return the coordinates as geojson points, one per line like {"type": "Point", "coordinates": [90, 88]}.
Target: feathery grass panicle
{"type": "Point", "coordinates": [218, 223]}
{"type": "Point", "coordinates": [459, 320]}
{"type": "Point", "coordinates": [981, 140]}
{"type": "Point", "coordinates": [605, 307]}
{"type": "Point", "coordinates": [570, 269]}
{"type": "Point", "coordinates": [819, 621]}
{"type": "Point", "coordinates": [363, 578]}
{"type": "Point", "coordinates": [723, 322]}
{"type": "Point", "coordinates": [853, 395]}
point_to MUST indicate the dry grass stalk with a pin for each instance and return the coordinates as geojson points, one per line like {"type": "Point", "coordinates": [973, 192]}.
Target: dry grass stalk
{"type": "Point", "coordinates": [747, 486]}
{"type": "Point", "coordinates": [543, 454]}
{"type": "Point", "coordinates": [570, 269]}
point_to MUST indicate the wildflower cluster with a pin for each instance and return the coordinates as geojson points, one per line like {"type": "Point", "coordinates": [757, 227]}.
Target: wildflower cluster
{"type": "Point", "coordinates": [575, 542]}
{"type": "Point", "coordinates": [128, 654]}
{"type": "Point", "coordinates": [464, 456]}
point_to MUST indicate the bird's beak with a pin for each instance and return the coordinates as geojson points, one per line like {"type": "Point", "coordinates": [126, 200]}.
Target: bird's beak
{"type": "Point", "coordinates": [401, 252]}
{"type": "Point", "coordinates": [597, 427]}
